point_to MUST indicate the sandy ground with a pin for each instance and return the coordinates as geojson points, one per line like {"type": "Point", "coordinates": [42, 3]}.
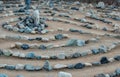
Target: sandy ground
{"type": "Point", "coordinates": [86, 72]}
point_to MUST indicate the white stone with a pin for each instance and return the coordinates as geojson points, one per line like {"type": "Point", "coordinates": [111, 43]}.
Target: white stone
{"type": "Point", "coordinates": [101, 5]}
{"type": "Point", "coordinates": [45, 57]}
{"type": "Point", "coordinates": [16, 54]}
{"type": "Point", "coordinates": [36, 16]}
{"type": "Point", "coordinates": [2, 65]}
{"type": "Point", "coordinates": [60, 66]}
{"type": "Point", "coordinates": [22, 55]}
{"type": "Point", "coordinates": [88, 64]}
{"type": "Point", "coordinates": [111, 59]}
{"type": "Point", "coordinates": [64, 74]}
{"type": "Point", "coordinates": [19, 67]}
{"type": "Point", "coordinates": [45, 39]}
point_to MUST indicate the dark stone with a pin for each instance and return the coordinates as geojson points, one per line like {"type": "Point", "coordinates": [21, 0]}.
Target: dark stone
{"type": "Point", "coordinates": [73, 30]}
{"type": "Point", "coordinates": [74, 8]}
{"type": "Point", "coordinates": [53, 57]}
{"type": "Point", "coordinates": [30, 55]}
{"type": "Point", "coordinates": [95, 51]}
{"type": "Point", "coordinates": [25, 46]}
{"type": "Point", "coordinates": [43, 47]}
{"type": "Point", "coordinates": [38, 57]}
{"type": "Point", "coordinates": [103, 49]}
{"type": "Point", "coordinates": [29, 67]}
{"type": "Point", "coordinates": [59, 37]}
{"type": "Point", "coordinates": [38, 38]}
{"type": "Point", "coordinates": [10, 67]}
{"type": "Point", "coordinates": [79, 66]}
{"type": "Point", "coordinates": [104, 60]}
{"type": "Point", "coordinates": [71, 66]}
{"type": "Point", "coordinates": [117, 57]}
{"type": "Point", "coordinates": [1, 53]}
{"type": "Point", "coordinates": [47, 66]}
{"type": "Point", "coordinates": [76, 55]}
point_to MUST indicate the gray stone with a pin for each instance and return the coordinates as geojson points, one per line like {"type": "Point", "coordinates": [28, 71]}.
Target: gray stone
{"type": "Point", "coordinates": [60, 66]}
{"type": "Point", "coordinates": [29, 67]}
{"type": "Point", "coordinates": [117, 71]}
{"type": "Point", "coordinates": [96, 63]}
{"type": "Point", "coordinates": [103, 49]}
{"type": "Point", "coordinates": [19, 76]}
{"type": "Point", "coordinates": [100, 75]}
{"type": "Point", "coordinates": [47, 66]}
{"type": "Point", "coordinates": [3, 75]}
{"type": "Point", "coordinates": [19, 67]}
{"type": "Point", "coordinates": [117, 57]}
{"type": "Point", "coordinates": [61, 56]}
{"type": "Point", "coordinates": [30, 55]}
{"type": "Point", "coordinates": [95, 51]}
{"type": "Point", "coordinates": [10, 67]}
{"type": "Point", "coordinates": [76, 55]}
{"type": "Point", "coordinates": [70, 66]}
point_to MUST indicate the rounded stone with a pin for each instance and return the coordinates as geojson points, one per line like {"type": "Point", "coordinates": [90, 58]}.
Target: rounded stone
{"type": "Point", "coordinates": [79, 66]}
{"type": "Point", "coordinates": [30, 55]}
{"type": "Point", "coordinates": [25, 46]}
{"type": "Point", "coordinates": [104, 60]}
{"type": "Point", "coordinates": [61, 56]}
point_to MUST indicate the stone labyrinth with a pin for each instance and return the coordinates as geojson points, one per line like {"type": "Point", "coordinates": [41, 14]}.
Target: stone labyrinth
{"type": "Point", "coordinates": [79, 39]}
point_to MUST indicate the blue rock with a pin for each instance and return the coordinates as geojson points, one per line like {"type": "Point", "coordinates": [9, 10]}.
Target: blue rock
{"type": "Point", "coordinates": [104, 60]}
{"type": "Point", "coordinates": [3, 75]}
{"type": "Point", "coordinates": [27, 30]}
{"type": "Point", "coordinates": [73, 30]}
{"type": "Point", "coordinates": [80, 42]}
{"type": "Point", "coordinates": [21, 30]}
{"type": "Point", "coordinates": [19, 76]}
{"type": "Point", "coordinates": [70, 66]}
{"type": "Point", "coordinates": [30, 55]}
{"type": "Point", "coordinates": [37, 68]}
{"type": "Point", "coordinates": [59, 37]}
{"type": "Point", "coordinates": [79, 66]}
{"type": "Point", "coordinates": [25, 46]}
{"type": "Point", "coordinates": [95, 51]}
{"type": "Point", "coordinates": [10, 67]}
{"type": "Point", "coordinates": [43, 47]}
{"type": "Point", "coordinates": [53, 57]}
{"type": "Point", "coordinates": [38, 38]}
{"type": "Point", "coordinates": [117, 57]}
{"type": "Point", "coordinates": [74, 8]}
{"type": "Point", "coordinates": [117, 71]}
{"type": "Point", "coordinates": [76, 55]}
{"type": "Point", "coordinates": [100, 75]}
{"type": "Point", "coordinates": [29, 67]}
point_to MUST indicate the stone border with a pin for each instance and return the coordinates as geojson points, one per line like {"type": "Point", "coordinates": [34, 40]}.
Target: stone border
{"type": "Point", "coordinates": [61, 56]}
{"type": "Point", "coordinates": [47, 66]}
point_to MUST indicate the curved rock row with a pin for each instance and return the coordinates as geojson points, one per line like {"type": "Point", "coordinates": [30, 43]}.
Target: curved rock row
{"type": "Point", "coordinates": [53, 25]}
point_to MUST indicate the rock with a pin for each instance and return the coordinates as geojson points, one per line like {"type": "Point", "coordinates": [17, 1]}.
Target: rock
{"type": "Point", "coordinates": [60, 66]}
{"type": "Point", "coordinates": [19, 67]}
{"type": "Point", "coordinates": [88, 64]}
{"type": "Point", "coordinates": [47, 66]}
{"type": "Point", "coordinates": [103, 49]}
{"type": "Point", "coordinates": [101, 5]}
{"type": "Point", "coordinates": [75, 8]}
{"type": "Point", "coordinates": [117, 71]}
{"type": "Point", "coordinates": [25, 46]}
{"type": "Point", "coordinates": [36, 17]}
{"type": "Point", "coordinates": [79, 66]}
{"type": "Point", "coordinates": [1, 52]}
{"type": "Point", "coordinates": [100, 75]}
{"type": "Point", "coordinates": [7, 53]}
{"type": "Point", "coordinates": [44, 31]}
{"type": "Point", "coordinates": [38, 57]}
{"type": "Point", "coordinates": [61, 56]}
{"type": "Point", "coordinates": [59, 37]}
{"type": "Point", "coordinates": [3, 75]}
{"type": "Point", "coordinates": [105, 29]}
{"type": "Point", "coordinates": [19, 76]}
{"type": "Point", "coordinates": [30, 55]}
{"type": "Point", "coordinates": [111, 60]}
{"type": "Point", "coordinates": [29, 67]}
{"type": "Point", "coordinates": [64, 74]}
{"type": "Point", "coordinates": [70, 66]}
{"type": "Point", "coordinates": [75, 42]}
{"type": "Point", "coordinates": [45, 39]}
{"type": "Point", "coordinates": [95, 51]}
{"type": "Point", "coordinates": [45, 57]}
{"type": "Point", "coordinates": [117, 57]}
{"type": "Point", "coordinates": [10, 67]}
{"type": "Point", "coordinates": [43, 47]}
{"type": "Point", "coordinates": [16, 54]}
{"type": "Point", "coordinates": [15, 29]}
{"type": "Point", "coordinates": [76, 55]}
{"type": "Point", "coordinates": [3, 65]}
{"type": "Point", "coordinates": [22, 55]}
{"type": "Point", "coordinates": [37, 68]}
{"type": "Point", "coordinates": [104, 60]}
{"type": "Point", "coordinates": [96, 63]}
{"type": "Point", "coordinates": [53, 57]}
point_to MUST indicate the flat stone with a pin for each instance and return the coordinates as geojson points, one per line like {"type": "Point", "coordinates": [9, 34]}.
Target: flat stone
{"type": "Point", "coordinates": [16, 54]}
{"type": "Point", "coordinates": [10, 67]}
{"type": "Point", "coordinates": [79, 66]}
{"type": "Point", "coordinates": [19, 67]}
{"type": "Point", "coordinates": [29, 67]}
{"type": "Point", "coordinates": [60, 66]}
{"type": "Point", "coordinates": [96, 63]}
{"type": "Point", "coordinates": [47, 66]}
{"type": "Point", "coordinates": [61, 56]}
{"type": "Point", "coordinates": [3, 75]}
{"type": "Point", "coordinates": [30, 55]}
{"type": "Point", "coordinates": [7, 53]}
{"type": "Point", "coordinates": [25, 46]}
{"type": "Point", "coordinates": [22, 55]}
{"type": "Point", "coordinates": [19, 76]}
{"type": "Point", "coordinates": [64, 74]}
{"type": "Point", "coordinates": [59, 37]}
{"type": "Point", "coordinates": [70, 66]}
{"type": "Point", "coordinates": [117, 71]}
{"type": "Point", "coordinates": [117, 57]}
